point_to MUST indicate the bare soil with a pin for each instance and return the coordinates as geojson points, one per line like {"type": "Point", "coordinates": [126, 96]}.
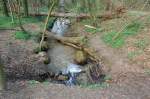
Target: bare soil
{"type": "Point", "coordinates": [129, 80]}
{"type": "Point", "coordinates": [128, 86]}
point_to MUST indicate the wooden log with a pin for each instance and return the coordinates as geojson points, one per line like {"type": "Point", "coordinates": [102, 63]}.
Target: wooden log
{"type": "Point", "coordinates": [113, 14]}
{"type": "Point", "coordinates": [96, 69]}
{"type": "Point", "coordinates": [76, 42]}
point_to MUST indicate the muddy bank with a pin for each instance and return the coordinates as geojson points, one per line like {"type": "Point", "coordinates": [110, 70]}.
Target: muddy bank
{"type": "Point", "coordinates": [18, 58]}
{"type": "Point", "coordinates": [128, 86]}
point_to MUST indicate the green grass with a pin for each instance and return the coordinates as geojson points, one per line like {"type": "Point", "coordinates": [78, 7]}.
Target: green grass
{"type": "Point", "coordinates": [30, 20]}
{"type": "Point", "coordinates": [117, 43]}
{"type": "Point", "coordinates": [100, 85]}
{"type": "Point", "coordinates": [6, 22]}
{"type": "Point", "coordinates": [130, 30]}
{"type": "Point", "coordinates": [95, 86]}
{"type": "Point", "coordinates": [22, 35]}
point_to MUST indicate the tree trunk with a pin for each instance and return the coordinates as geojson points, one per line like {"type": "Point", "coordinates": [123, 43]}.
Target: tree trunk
{"type": "Point", "coordinates": [46, 22]}
{"type": "Point", "coordinates": [2, 77]}
{"type": "Point", "coordinates": [6, 13]}
{"type": "Point", "coordinates": [25, 4]}
{"type": "Point", "coordinates": [108, 5]}
{"type": "Point", "coordinates": [11, 11]}
{"type": "Point", "coordinates": [62, 6]}
{"type": "Point", "coordinates": [19, 15]}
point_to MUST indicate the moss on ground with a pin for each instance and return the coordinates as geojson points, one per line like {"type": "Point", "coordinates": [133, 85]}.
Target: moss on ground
{"type": "Point", "coordinates": [119, 41]}
{"type": "Point", "coordinates": [22, 35]}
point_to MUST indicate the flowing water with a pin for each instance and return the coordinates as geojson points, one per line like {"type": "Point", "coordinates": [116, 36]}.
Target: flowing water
{"type": "Point", "coordinates": [61, 26]}
{"type": "Point", "coordinates": [62, 57]}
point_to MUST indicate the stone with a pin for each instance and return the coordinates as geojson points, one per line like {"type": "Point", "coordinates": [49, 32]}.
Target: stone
{"type": "Point", "coordinates": [80, 57]}
{"type": "Point", "coordinates": [43, 57]}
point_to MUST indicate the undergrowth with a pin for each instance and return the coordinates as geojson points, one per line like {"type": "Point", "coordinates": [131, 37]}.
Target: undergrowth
{"type": "Point", "coordinates": [130, 30]}
{"type": "Point", "coordinates": [100, 85]}
{"type": "Point", "coordinates": [22, 35]}
{"type": "Point", "coordinates": [6, 22]}
{"type": "Point", "coordinates": [95, 86]}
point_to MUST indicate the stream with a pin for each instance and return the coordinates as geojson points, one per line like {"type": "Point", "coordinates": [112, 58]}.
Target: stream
{"type": "Point", "coordinates": [62, 57]}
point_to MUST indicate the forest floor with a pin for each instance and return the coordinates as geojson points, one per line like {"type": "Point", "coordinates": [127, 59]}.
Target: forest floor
{"type": "Point", "coordinates": [128, 67]}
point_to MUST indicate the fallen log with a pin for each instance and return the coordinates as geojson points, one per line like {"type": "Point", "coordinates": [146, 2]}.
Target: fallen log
{"type": "Point", "coordinates": [106, 15]}
{"type": "Point", "coordinates": [95, 70]}
{"type": "Point", "coordinates": [76, 42]}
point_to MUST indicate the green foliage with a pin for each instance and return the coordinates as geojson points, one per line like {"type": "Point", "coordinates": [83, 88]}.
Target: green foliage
{"type": "Point", "coordinates": [22, 35]}
{"type": "Point", "coordinates": [43, 9]}
{"type": "Point", "coordinates": [118, 42]}
{"type": "Point", "coordinates": [26, 20]}
{"type": "Point", "coordinates": [6, 22]}
{"type": "Point", "coordinates": [132, 29]}
{"type": "Point", "coordinates": [95, 86]}
{"type": "Point", "coordinates": [100, 85]}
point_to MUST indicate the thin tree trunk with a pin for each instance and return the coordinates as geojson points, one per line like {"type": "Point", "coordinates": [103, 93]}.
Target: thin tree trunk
{"type": "Point", "coordinates": [46, 22]}
{"type": "Point", "coordinates": [10, 7]}
{"type": "Point", "coordinates": [6, 13]}
{"type": "Point", "coordinates": [2, 77]}
{"type": "Point", "coordinates": [19, 16]}
{"type": "Point", "coordinates": [25, 4]}
{"type": "Point", "coordinates": [62, 6]}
